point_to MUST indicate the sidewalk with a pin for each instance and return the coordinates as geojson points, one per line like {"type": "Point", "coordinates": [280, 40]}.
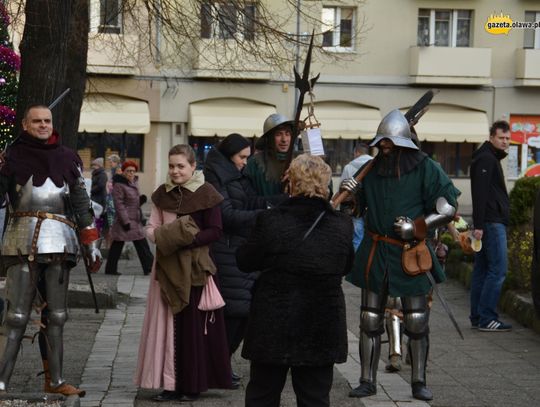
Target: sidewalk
{"type": "Point", "coordinates": [485, 369]}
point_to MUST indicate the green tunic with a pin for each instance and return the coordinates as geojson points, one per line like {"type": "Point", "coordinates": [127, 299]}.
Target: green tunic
{"type": "Point", "coordinates": [263, 182]}
{"type": "Point", "coordinates": [413, 195]}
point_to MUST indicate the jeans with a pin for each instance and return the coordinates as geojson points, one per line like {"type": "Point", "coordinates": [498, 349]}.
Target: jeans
{"type": "Point", "coordinates": [490, 266]}
{"type": "Point", "coordinates": [358, 234]}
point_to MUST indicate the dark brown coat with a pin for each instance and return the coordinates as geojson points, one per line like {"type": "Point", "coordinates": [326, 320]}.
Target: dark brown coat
{"type": "Point", "coordinates": [126, 204]}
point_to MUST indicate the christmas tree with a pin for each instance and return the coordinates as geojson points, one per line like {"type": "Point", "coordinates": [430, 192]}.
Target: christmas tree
{"type": "Point", "coordinates": [10, 64]}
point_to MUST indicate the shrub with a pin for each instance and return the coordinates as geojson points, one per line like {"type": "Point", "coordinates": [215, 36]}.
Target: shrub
{"type": "Point", "coordinates": [522, 199]}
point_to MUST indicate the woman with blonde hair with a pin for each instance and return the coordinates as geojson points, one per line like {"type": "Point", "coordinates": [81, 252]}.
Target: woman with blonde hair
{"type": "Point", "coordinates": [297, 318]}
{"type": "Point", "coordinates": [183, 350]}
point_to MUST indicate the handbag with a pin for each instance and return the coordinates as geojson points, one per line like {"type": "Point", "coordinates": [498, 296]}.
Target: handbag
{"type": "Point", "coordinates": [210, 301]}
{"type": "Point", "coordinates": [416, 259]}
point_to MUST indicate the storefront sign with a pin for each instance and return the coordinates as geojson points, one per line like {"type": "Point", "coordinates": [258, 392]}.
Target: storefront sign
{"type": "Point", "coordinates": [523, 128]}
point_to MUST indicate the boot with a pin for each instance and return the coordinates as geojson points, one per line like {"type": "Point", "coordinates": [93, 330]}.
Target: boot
{"type": "Point", "coordinates": [64, 389]}
{"type": "Point", "coordinates": [419, 349]}
{"type": "Point", "coordinates": [394, 364]}
{"type": "Point", "coordinates": [365, 389]}
{"type": "Point", "coordinates": [421, 392]}
{"type": "Point", "coordinates": [370, 349]}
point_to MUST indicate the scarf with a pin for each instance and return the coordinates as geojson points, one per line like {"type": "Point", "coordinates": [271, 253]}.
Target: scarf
{"type": "Point", "coordinates": [194, 195]}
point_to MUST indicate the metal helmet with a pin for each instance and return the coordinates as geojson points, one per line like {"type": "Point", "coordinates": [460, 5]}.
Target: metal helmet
{"type": "Point", "coordinates": [275, 120]}
{"type": "Point", "coordinates": [395, 127]}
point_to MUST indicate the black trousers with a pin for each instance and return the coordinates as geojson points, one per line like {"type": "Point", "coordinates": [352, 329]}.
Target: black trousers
{"type": "Point", "coordinates": [311, 385]}
{"type": "Point", "coordinates": [236, 329]}
{"type": "Point", "coordinates": [143, 251]}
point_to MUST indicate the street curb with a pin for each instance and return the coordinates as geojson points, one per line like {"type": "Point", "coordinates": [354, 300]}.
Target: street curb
{"type": "Point", "coordinates": [518, 305]}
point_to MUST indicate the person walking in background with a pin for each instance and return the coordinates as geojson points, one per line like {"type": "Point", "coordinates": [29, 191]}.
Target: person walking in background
{"type": "Point", "coordinates": [240, 206]}
{"type": "Point", "coordinates": [490, 219]}
{"type": "Point", "coordinates": [297, 320]}
{"type": "Point", "coordinates": [115, 165]}
{"type": "Point", "coordinates": [98, 192]}
{"type": "Point", "coordinates": [182, 350]}
{"type": "Point", "coordinates": [361, 157]}
{"type": "Point", "coordinates": [127, 225]}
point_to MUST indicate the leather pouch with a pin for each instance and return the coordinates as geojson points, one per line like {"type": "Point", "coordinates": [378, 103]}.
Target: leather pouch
{"type": "Point", "coordinates": [416, 259]}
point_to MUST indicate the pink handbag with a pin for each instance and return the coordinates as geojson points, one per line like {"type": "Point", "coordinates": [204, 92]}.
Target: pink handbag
{"type": "Point", "coordinates": [211, 300]}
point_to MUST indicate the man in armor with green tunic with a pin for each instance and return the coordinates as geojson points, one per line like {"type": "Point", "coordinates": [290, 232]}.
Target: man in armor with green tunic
{"type": "Point", "coordinates": [406, 195]}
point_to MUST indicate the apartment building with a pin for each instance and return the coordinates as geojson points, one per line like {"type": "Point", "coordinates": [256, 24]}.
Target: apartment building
{"type": "Point", "coordinates": [404, 48]}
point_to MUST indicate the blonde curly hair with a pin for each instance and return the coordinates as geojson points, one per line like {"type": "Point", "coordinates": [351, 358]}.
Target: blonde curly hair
{"type": "Point", "coordinates": [310, 176]}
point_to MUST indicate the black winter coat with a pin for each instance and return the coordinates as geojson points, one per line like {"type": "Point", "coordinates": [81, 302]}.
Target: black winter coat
{"type": "Point", "coordinates": [489, 196]}
{"type": "Point", "coordinates": [98, 192]}
{"type": "Point", "coordinates": [298, 311]}
{"type": "Point", "coordinates": [239, 209]}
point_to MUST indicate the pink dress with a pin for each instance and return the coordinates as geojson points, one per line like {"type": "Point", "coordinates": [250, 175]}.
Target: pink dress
{"type": "Point", "coordinates": [155, 366]}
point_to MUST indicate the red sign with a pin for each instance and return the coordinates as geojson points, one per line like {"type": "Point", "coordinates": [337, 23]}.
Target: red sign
{"type": "Point", "coordinates": [524, 127]}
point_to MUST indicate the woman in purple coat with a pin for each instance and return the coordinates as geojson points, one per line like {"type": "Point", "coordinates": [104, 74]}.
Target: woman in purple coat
{"type": "Point", "coordinates": [127, 225]}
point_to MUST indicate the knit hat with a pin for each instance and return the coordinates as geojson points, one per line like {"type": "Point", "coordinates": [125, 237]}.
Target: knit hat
{"type": "Point", "coordinates": [130, 164]}
{"type": "Point", "coordinates": [98, 162]}
{"type": "Point", "coordinates": [233, 144]}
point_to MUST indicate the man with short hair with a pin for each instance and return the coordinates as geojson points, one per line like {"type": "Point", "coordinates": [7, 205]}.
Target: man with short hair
{"type": "Point", "coordinates": [490, 218]}
{"type": "Point", "coordinates": [48, 208]}
{"type": "Point", "coordinates": [266, 168]}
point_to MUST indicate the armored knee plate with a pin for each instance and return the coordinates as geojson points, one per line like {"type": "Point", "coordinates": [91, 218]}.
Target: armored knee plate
{"type": "Point", "coordinates": [415, 316]}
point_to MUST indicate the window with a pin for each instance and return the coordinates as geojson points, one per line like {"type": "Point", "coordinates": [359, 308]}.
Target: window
{"type": "Point", "coordinates": [338, 23]}
{"type": "Point", "coordinates": [444, 28]}
{"type": "Point", "coordinates": [228, 21]}
{"type": "Point", "coordinates": [93, 145]}
{"type": "Point", "coordinates": [105, 16]}
{"type": "Point", "coordinates": [455, 158]}
{"type": "Point", "coordinates": [532, 37]}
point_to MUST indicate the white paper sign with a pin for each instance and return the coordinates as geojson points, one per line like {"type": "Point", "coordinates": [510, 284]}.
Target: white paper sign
{"type": "Point", "coordinates": [312, 141]}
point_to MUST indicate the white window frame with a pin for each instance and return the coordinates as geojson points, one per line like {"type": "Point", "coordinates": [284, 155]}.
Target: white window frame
{"type": "Point", "coordinates": [452, 43]}
{"type": "Point", "coordinates": [95, 17]}
{"type": "Point", "coordinates": [536, 44]}
{"type": "Point", "coordinates": [215, 23]}
{"type": "Point", "coordinates": [335, 29]}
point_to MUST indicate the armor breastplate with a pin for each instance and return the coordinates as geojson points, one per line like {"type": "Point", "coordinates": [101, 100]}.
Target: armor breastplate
{"type": "Point", "coordinates": [54, 236]}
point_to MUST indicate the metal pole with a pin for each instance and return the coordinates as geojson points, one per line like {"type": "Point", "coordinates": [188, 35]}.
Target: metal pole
{"type": "Point", "coordinates": [297, 56]}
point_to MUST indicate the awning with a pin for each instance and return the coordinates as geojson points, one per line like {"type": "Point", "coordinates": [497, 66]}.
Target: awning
{"type": "Point", "coordinates": [114, 114]}
{"type": "Point", "coordinates": [453, 124]}
{"type": "Point", "coordinates": [220, 117]}
{"type": "Point", "coordinates": [346, 120]}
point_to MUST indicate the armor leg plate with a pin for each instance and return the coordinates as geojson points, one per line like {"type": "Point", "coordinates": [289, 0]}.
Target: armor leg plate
{"type": "Point", "coordinates": [20, 291]}
{"type": "Point", "coordinates": [371, 328]}
{"type": "Point", "coordinates": [57, 281]}
{"type": "Point", "coordinates": [416, 318]}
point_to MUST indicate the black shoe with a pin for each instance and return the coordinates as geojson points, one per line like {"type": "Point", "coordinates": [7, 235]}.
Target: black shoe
{"type": "Point", "coordinates": [365, 389]}
{"type": "Point", "coordinates": [421, 392]}
{"type": "Point", "coordinates": [116, 273]}
{"type": "Point", "coordinates": [236, 377]}
{"type": "Point", "coordinates": [187, 397]}
{"type": "Point", "coordinates": [167, 395]}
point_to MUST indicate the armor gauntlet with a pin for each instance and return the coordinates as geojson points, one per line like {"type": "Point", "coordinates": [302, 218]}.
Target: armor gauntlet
{"type": "Point", "coordinates": [90, 241]}
{"type": "Point", "coordinates": [350, 185]}
{"type": "Point", "coordinates": [409, 229]}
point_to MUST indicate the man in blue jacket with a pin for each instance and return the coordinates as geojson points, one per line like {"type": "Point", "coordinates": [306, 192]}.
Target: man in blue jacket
{"type": "Point", "coordinates": [490, 218]}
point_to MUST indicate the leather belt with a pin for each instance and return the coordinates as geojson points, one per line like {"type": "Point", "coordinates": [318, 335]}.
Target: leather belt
{"type": "Point", "coordinates": [41, 216]}
{"type": "Point", "coordinates": [376, 239]}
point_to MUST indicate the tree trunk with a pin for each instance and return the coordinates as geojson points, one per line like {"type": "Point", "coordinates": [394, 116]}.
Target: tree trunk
{"type": "Point", "coordinates": [53, 58]}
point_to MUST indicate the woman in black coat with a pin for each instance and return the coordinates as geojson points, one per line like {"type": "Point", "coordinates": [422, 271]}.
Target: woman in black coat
{"type": "Point", "coordinates": [297, 318]}
{"type": "Point", "coordinates": [223, 169]}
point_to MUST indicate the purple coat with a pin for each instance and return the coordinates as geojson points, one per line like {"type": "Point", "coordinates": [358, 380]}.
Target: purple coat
{"type": "Point", "coordinates": [126, 203]}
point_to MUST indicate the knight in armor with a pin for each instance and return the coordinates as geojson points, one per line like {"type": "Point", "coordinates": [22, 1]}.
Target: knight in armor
{"type": "Point", "coordinates": [50, 220]}
{"type": "Point", "coordinates": [406, 194]}
{"type": "Point", "coordinates": [267, 166]}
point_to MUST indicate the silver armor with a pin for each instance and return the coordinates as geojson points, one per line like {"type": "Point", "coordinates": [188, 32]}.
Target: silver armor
{"type": "Point", "coordinates": [415, 321]}
{"type": "Point", "coordinates": [395, 127]}
{"type": "Point", "coordinates": [54, 236]}
{"type": "Point", "coordinates": [273, 121]}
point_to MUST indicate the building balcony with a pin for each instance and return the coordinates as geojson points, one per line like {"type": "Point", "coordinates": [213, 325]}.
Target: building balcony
{"type": "Point", "coordinates": [113, 54]}
{"type": "Point", "coordinates": [227, 59]}
{"type": "Point", "coordinates": [450, 66]}
{"type": "Point", "coordinates": [527, 67]}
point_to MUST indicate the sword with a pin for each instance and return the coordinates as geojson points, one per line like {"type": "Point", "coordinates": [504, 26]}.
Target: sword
{"type": "Point", "coordinates": [444, 303]}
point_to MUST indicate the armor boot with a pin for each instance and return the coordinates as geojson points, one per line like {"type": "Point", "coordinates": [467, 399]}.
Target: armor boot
{"type": "Point", "coordinates": [415, 318]}
{"type": "Point", "coordinates": [63, 388]}
{"type": "Point", "coordinates": [371, 329]}
{"type": "Point", "coordinates": [393, 330]}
